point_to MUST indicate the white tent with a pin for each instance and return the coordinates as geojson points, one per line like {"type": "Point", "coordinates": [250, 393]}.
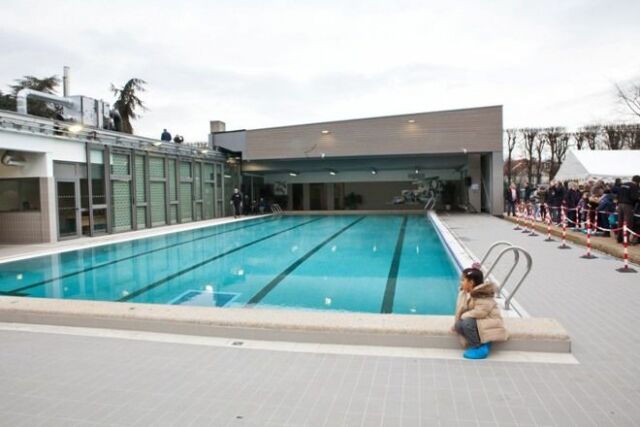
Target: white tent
{"type": "Point", "coordinates": [599, 164]}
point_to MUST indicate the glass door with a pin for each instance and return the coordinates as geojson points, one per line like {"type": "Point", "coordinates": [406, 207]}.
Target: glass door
{"type": "Point", "coordinates": [68, 208]}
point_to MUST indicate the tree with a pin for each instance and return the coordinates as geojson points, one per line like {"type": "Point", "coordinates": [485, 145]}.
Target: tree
{"type": "Point", "coordinates": [529, 135]}
{"type": "Point", "coordinates": [539, 144]}
{"type": "Point", "coordinates": [613, 140]}
{"type": "Point", "coordinates": [128, 101]}
{"type": "Point", "coordinates": [35, 107]}
{"type": "Point", "coordinates": [580, 138]}
{"type": "Point", "coordinates": [630, 96]}
{"type": "Point", "coordinates": [591, 133]}
{"type": "Point", "coordinates": [553, 135]}
{"type": "Point", "coordinates": [560, 152]}
{"type": "Point", "coordinates": [630, 134]}
{"type": "Point", "coordinates": [512, 141]}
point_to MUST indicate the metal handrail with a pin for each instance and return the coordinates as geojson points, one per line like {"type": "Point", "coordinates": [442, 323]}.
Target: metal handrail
{"type": "Point", "coordinates": [276, 209]}
{"type": "Point", "coordinates": [516, 250]}
{"type": "Point", "coordinates": [492, 247]}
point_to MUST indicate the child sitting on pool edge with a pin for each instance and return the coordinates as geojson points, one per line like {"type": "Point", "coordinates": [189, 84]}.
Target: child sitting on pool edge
{"type": "Point", "coordinates": [477, 319]}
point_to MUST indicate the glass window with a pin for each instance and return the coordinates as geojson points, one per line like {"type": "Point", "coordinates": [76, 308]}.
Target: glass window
{"type": "Point", "coordinates": [19, 194]}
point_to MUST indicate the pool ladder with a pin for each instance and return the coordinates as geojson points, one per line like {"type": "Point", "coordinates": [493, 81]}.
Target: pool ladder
{"type": "Point", "coordinates": [517, 250]}
{"type": "Point", "coordinates": [276, 209]}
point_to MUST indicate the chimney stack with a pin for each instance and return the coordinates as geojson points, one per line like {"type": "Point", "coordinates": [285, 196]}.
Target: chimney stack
{"type": "Point", "coordinates": [217, 126]}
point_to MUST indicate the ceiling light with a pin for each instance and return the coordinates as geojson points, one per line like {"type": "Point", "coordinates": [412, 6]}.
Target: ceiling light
{"type": "Point", "coordinates": [322, 155]}
{"type": "Point", "coordinates": [204, 151]}
{"type": "Point", "coordinates": [411, 121]}
{"type": "Point", "coordinates": [332, 172]}
{"type": "Point", "coordinates": [373, 171]}
{"type": "Point", "coordinates": [417, 170]}
{"type": "Point", "coordinates": [325, 132]}
{"type": "Point", "coordinates": [293, 173]}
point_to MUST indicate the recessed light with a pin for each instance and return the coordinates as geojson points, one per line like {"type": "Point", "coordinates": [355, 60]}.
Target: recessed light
{"type": "Point", "coordinates": [293, 173]}
{"type": "Point", "coordinates": [325, 132]}
{"type": "Point", "coordinates": [373, 171]}
{"type": "Point", "coordinates": [332, 172]}
{"type": "Point", "coordinates": [411, 121]}
{"type": "Point", "coordinates": [417, 170]}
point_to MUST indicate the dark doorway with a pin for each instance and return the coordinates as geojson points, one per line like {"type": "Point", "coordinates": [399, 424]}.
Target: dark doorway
{"type": "Point", "coordinates": [317, 199]}
{"type": "Point", "coordinates": [296, 195]}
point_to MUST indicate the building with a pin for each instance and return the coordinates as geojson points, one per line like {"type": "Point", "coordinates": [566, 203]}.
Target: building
{"type": "Point", "coordinates": [376, 163]}
{"type": "Point", "coordinates": [60, 180]}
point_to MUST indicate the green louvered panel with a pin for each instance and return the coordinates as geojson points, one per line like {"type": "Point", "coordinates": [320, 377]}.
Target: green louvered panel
{"type": "Point", "coordinates": [119, 164]}
{"type": "Point", "coordinates": [208, 201]}
{"type": "Point", "coordinates": [141, 217]}
{"type": "Point", "coordinates": [141, 194]}
{"type": "Point", "coordinates": [198, 211]}
{"type": "Point", "coordinates": [185, 202]}
{"type": "Point", "coordinates": [156, 167]}
{"type": "Point", "coordinates": [185, 170]}
{"type": "Point", "coordinates": [121, 200]}
{"type": "Point", "coordinates": [196, 181]}
{"type": "Point", "coordinates": [172, 181]}
{"type": "Point", "coordinates": [173, 214]}
{"type": "Point", "coordinates": [158, 216]}
{"type": "Point", "coordinates": [208, 172]}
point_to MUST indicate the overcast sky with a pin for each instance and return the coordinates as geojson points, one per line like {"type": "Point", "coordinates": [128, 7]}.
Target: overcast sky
{"type": "Point", "coordinates": [259, 64]}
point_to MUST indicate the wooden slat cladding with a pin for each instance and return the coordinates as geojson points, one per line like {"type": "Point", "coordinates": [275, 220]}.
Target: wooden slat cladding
{"type": "Point", "coordinates": [474, 129]}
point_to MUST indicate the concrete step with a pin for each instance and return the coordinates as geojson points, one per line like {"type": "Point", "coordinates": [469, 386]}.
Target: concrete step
{"type": "Point", "coordinates": [528, 334]}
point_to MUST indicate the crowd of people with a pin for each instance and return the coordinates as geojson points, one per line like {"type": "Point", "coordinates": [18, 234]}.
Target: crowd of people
{"type": "Point", "coordinates": [601, 206]}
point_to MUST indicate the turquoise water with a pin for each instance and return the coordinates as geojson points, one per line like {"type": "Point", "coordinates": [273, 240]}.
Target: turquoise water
{"type": "Point", "coordinates": [376, 264]}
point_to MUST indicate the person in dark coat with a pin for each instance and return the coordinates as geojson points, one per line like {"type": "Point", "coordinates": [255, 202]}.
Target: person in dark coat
{"type": "Point", "coordinates": [166, 136]}
{"type": "Point", "coordinates": [555, 199]}
{"type": "Point", "coordinates": [236, 202]}
{"type": "Point", "coordinates": [628, 196]}
{"type": "Point", "coordinates": [606, 207]}
{"type": "Point", "coordinates": [572, 198]}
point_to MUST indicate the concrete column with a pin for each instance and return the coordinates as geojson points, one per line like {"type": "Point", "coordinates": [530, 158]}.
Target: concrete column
{"type": "Point", "coordinates": [330, 196]}
{"type": "Point", "coordinates": [497, 198]}
{"type": "Point", "coordinates": [306, 199]}
{"type": "Point", "coordinates": [290, 197]}
{"type": "Point", "coordinates": [475, 172]}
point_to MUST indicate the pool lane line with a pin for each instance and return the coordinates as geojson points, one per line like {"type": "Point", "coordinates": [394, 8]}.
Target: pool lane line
{"type": "Point", "coordinates": [18, 292]}
{"type": "Point", "coordinates": [280, 277]}
{"type": "Point", "coordinates": [392, 279]}
{"type": "Point", "coordinates": [207, 261]}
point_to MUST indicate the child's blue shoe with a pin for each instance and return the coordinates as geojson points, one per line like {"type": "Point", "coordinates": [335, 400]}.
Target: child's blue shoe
{"type": "Point", "coordinates": [480, 352]}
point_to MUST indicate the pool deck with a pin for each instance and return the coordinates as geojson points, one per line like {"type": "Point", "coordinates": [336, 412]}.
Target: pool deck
{"type": "Point", "coordinates": [53, 377]}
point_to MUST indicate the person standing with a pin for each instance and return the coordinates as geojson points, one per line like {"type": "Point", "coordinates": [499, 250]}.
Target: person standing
{"type": "Point", "coordinates": [627, 198]}
{"type": "Point", "coordinates": [166, 136]}
{"type": "Point", "coordinates": [236, 202]}
{"type": "Point", "coordinates": [512, 198]}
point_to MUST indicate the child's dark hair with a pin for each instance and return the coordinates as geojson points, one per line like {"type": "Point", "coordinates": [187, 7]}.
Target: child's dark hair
{"type": "Point", "coordinates": [473, 274]}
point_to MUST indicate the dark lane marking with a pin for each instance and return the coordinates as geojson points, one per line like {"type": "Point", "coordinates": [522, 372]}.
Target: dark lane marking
{"type": "Point", "coordinates": [16, 294]}
{"type": "Point", "coordinates": [17, 291]}
{"type": "Point", "coordinates": [390, 290]}
{"type": "Point", "coordinates": [207, 261]}
{"type": "Point", "coordinates": [280, 277]}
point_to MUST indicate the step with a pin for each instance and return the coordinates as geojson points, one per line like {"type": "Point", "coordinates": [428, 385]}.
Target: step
{"type": "Point", "coordinates": [528, 334]}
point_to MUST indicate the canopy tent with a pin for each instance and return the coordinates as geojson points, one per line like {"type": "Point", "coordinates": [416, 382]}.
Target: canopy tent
{"type": "Point", "coordinates": [599, 164]}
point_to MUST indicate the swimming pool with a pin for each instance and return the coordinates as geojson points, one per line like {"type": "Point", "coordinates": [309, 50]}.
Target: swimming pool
{"type": "Point", "coordinates": [372, 263]}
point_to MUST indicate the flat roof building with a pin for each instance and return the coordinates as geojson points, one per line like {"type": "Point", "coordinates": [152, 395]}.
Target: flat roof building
{"type": "Point", "coordinates": [377, 163]}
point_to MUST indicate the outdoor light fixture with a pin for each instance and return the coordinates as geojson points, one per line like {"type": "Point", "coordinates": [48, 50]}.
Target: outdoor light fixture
{"type": "Point", "coordinates": [293, 173]}
{"type": "Point", "coordinates": [373, 171]}
{"type": "Point", "coordinates": [332, 172]}
{"type": "Point", "coordinates": [75, 128]}
{"type": "Point", "coordinates": [227, 176]}
{"type": "Point", "coordinates": [156, 143]}
{"type": "Point", "coordinates": [322, 155]}
{"type": "Point", "coordinates": [325, 132]}
{"type": "Point", "coordinates": [417, 170]}
{"type": "Point", "coordinates": [411, 121]}
{"type": "Point", "coordinates": [204, 151]}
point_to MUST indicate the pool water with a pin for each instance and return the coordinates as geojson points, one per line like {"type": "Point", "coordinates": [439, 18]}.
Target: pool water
{"type": "Point", "coordinates": [375, 264]}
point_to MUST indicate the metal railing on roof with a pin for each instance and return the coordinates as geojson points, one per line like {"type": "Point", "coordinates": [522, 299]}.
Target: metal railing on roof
{"type": "Point", "coordinates": [56, 129]}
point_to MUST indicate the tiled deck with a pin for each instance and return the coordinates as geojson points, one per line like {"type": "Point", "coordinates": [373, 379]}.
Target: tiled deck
{"type": "Point", "coordinates": [52, 379]}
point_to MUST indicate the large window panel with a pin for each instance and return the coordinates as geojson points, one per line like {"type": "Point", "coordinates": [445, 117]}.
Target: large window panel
{"type": "Point", "coordinates": [19, 195]}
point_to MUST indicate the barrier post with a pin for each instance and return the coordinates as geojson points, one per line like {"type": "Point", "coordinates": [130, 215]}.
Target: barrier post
{"type": "Point", "coordinates": [548, 239]}
{"type": "Point", "coordinates": [532, 218]}
{"type": "Point", "coordinates": [588, 254]}
{"type": "Point", "coordinates": [564, 230]}
{"type": "Point", "coordinates": [625, 236]}
{"type": "Point", "coordinates": [518, 212]}
{"type": "Point", "coordinates": [526, 220]}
